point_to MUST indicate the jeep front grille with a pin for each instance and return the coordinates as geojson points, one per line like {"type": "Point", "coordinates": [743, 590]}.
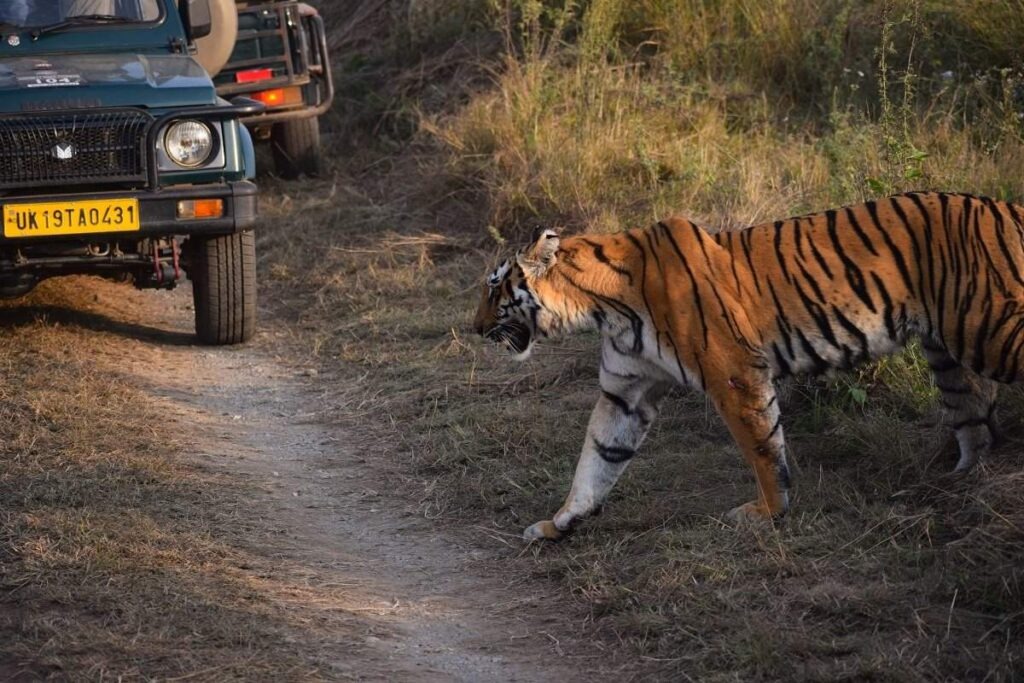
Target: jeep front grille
{"type": "Point", "coordinates": [95, 147]}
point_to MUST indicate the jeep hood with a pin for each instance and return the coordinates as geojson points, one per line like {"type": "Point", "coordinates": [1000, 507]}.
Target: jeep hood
{"type": "Point", "coordinates": [77, 81]}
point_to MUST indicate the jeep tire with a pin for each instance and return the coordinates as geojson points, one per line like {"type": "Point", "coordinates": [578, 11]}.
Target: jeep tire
{"type": "Point", "coordinates": [296, 146]}
{"type": "Point", "coordinates": [223, 274]}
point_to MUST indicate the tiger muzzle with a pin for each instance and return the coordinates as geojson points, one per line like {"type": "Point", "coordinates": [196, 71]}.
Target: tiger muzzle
{"type": "Point", "coordinates": [515, 336]}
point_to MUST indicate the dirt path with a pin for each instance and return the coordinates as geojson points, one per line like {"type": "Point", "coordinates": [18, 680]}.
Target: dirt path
{"type": "Point", "coordinates": [431, 605]}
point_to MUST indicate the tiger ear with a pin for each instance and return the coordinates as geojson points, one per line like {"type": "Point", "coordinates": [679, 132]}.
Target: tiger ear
{"type": "Point", "coordinates": [537, 258]}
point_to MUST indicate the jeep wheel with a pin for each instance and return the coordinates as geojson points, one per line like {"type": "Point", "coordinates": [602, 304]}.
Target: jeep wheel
{"type": "Point", "coordinates": [223, 274]}
{"type": "Point", "coordinates": [296, 146]}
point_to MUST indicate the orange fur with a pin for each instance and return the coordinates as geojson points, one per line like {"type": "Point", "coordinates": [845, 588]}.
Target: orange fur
{"type": "Point", "coordinates": [728, 313]}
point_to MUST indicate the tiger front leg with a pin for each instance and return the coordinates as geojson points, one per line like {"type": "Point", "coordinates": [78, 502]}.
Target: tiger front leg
{"type": "Point", "coordinates": [617, 427]}
{"type": "Point", "coordinates": [750, 408]}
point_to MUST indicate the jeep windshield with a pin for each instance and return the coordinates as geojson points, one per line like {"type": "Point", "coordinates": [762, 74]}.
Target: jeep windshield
{"type": "Point", "coordinates": [50, 14]}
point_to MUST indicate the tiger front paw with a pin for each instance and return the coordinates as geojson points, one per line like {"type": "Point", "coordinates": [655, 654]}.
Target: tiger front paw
{"type": "Point", "coordinates": [754, 512]}
{"type": "Point", "coordinates": [543, 531]}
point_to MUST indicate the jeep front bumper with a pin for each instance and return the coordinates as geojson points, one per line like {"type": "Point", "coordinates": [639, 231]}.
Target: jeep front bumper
{"type": "Point", "coordinates": [159, 212]}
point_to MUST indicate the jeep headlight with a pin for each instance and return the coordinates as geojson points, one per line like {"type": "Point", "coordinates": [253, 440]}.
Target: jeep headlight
{"type": "Point", "coordinates": [188, 143]}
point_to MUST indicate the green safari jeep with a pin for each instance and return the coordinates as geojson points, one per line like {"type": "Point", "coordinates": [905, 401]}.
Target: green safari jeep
{"type": "Point", "coordinates": [280, 59]}
{"type": "Point", "coordinates": [117, 157]}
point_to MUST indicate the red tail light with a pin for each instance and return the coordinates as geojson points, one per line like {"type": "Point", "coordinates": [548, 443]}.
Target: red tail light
{"type": "Point", "coordinates": [254, 75]}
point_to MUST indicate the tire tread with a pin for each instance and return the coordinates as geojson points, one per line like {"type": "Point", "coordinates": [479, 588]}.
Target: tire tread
{"type": "Point", "coordinates": [224, 288]}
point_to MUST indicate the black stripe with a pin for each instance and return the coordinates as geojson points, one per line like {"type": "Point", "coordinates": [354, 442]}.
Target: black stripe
{"type": "Point", "coordinates": [643, 282]}
{"type": "Point", "coordinates": [980, 337]}
{"type": "Point", "coordinates": [929, 249]}
{"type": "Point", "coordinates": [811, 281]}
{"type": "Point", "coordinates": [818, 257]}
{"type": "Point", "coordinates": [820, 365]}
{"type": "Point", "coordinates": [600, 256]}
{"type": "Point", "coordinates": [618, 401]}
{"type": "Point", "coordinates": [940, 303]}
{"type": "Point", "coordinates": [1012, 208]}
{"type": "Point", "coordinates": [1015, 355]}
{"type": "Point", "coordinates": [819, 315]}
{"type": "Point", "coordinates": [768, 405]}
{"type": "Point", "coordinates": [918, 260]}
{"type": "Point", "coordinates": [782, 321]}
{"type": "Point", "coordinates": [1008, 314]}
{"type": "Point", "coordinates": [963, 311]}
{"type": "Point", "coordinates": [734, 327]}
{"type": "Point", "coordinates": [745, 239]}
{"type": "Point", "coordinates": [568, 257]}
{"type": "Point", "coordinates": [732, 261]}
{"type": "Point", "coordinates": [798, 234]}
{"type": "Point", "coordinates": [652, 237]}
{"type": "Point", "coordinates": [1004, 352]}
{"type": "Point", "coordinates": [778, 251]}
{"type": "Point", "coordinates": [890, 324]}
{"type": "Point", "coordinates": [613, 454]}
{"type": "Point", "coordinates": [693, 281]}
{"type": "Point", "coordinates": [1009, 259]}
{"type": "Point", "coordinates": [675, 352]}
{"type": "Point", "coordinates": [952, 249]}
{"type": "Point", "coordinates": [854, 276]}
{"type": "Point", "coordinates": [897, 255]}
{"type": "Point", "coordinates": [636, 323]}
{"type": "Point", "coordinates": [700, 370]}
{"type": "Point", "coordinates": [994, 271]}
{"type": "Point", "coordinates": [784, 369]}
{"type": "Point", "coordinates": [860, 231]}
{"type": "Point", "coordinates": [701, 235]}
{"type": "Point", "coordinates": [854, 331]}
{"type": "Point", "coordinates": [613, 373]}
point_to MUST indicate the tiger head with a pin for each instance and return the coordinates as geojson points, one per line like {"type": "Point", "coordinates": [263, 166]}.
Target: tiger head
{"type": "Point", "coordinates": [510, 311]}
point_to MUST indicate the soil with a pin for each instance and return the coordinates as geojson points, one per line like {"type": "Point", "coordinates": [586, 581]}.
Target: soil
{"type": "Point", "coordinates": [439, 603]}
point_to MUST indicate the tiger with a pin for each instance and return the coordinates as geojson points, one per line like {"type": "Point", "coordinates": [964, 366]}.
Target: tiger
{"type": "Point", "coordinates": [730, 313]}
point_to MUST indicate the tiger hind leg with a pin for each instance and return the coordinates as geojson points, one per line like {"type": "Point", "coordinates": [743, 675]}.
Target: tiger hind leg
{"type": "Point", "coordinates": [750, 408]}
{"type": "Point", "coordinates": [969, 401]}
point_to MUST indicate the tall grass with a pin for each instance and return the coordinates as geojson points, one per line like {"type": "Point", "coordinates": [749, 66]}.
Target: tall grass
{"type": "Point", "coordinates": [737, 111]}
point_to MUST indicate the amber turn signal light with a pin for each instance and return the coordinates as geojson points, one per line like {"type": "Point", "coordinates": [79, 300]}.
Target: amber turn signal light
{"type": "Point", "coordinates": [279, 96]}
{"type": "Point", "coordinates": [191, 209]}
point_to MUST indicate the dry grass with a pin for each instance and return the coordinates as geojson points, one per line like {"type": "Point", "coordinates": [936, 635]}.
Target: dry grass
{"type": "Point", "coordinates": [121, 558]}
{"type": "Point", "coordinates": [887, 569]}
{"type": "Point", "coordinates": [604, 150]}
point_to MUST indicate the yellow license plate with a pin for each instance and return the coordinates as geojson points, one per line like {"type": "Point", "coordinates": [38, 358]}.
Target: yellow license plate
{"type": "Point", "coordinates": [71, 218]}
